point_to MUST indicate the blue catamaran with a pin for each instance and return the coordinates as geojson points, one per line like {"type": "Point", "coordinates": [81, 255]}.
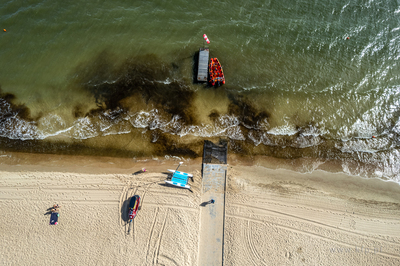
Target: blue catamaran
{"type": "Point", "coordinates": [179, 179]}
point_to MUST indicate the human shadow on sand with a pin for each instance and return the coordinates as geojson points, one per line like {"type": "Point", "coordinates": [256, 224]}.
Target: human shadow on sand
{"type": "Point", "coordinates": [171, 186]}
{"type": "Point", "coordinates": [203, 204]}
{"type": "Point", "coordinates": [167, 173]}
{"type": "Point", "coordinates": [48, 211]}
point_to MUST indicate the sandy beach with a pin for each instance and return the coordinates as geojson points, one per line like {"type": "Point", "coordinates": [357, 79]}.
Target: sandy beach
{"type": "Point", "coordinates": [272, 216]}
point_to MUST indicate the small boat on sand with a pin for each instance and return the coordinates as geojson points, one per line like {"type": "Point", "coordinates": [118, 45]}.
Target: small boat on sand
{"type": "Point", "coordinates": [216, 73]}
{"type": "Point", "coordinates": [134, 206]}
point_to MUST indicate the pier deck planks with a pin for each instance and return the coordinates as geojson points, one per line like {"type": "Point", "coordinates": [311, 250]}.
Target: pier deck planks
{"type": "Point", "coordinates": [203, 64]}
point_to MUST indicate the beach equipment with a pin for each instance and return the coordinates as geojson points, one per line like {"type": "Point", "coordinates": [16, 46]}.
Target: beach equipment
{"type": "Point", "coordinates": [179, 179]}
{"type": "Point", "coordinates": [216, 73]}
{"type": "Point", "coordinates": [206, 38]}
{"type": "Point", "coordinates": [54, 218]}
{"type": "Point", "coordinates": [134, 205]}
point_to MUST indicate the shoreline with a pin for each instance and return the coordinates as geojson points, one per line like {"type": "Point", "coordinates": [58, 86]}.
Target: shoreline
{"type": "Point", "coordinates": [108, 164]}
{"type": "Point", "coordinates": [330, 181]}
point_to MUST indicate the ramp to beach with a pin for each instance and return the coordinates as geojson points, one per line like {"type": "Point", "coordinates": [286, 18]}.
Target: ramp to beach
{"type": "Point", "coordinates": [212, 214]}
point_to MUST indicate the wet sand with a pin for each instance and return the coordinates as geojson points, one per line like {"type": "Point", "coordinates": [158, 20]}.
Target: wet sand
{"type": "Point", "coordinates": [273, 216]}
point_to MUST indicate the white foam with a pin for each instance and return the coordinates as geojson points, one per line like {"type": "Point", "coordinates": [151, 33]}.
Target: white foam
{"type": "Point", "coordinates": [84, 129]}
{"type": "Point", "coordinates": [285, 130]}
{"type": "Point", "coordinates": [257, 140]}
{"type": "Point", "coordinates": [15, 128]}
{"type": "Point", "coordinates": [145, 119]}
{"type": "Point", "coordinates": [51, 125]}
{"type": "Point", "coordinates": [167, 81]}
{"type": "Point", "coordinates": [57, 133]}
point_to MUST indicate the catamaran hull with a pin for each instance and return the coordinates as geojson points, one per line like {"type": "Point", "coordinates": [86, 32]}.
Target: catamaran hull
{"type": "Point", "coordinates": [177, 184]}
{"type": "Point", "coordinates": [173, 171]}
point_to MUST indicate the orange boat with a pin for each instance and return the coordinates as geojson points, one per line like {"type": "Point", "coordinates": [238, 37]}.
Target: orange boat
{"type": "Point", "coordinates": [216, 73]}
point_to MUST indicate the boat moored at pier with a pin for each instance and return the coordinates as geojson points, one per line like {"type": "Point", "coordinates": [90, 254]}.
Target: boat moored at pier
{"type": "Point", "coordinates": [216, 74]}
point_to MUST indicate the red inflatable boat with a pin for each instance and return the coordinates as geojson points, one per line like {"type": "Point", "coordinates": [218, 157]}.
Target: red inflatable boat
{"type": "Point", "coordinates": [216, 73]}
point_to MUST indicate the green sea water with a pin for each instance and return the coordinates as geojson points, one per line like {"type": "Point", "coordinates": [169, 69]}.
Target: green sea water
{"type": "Point", "coordinates": [304, 79]}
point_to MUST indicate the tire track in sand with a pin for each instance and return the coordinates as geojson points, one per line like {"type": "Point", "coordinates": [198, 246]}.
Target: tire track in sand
{"type": "Point", "coordinates": [157, 251]}
{"type": "Point", "coordinates": [316, 223]}
{"type": "Point", "coordinates": [144, 193]}
{"type": "Point", "coordinates": [121, 202]}
{"type": "Point", "coordinates": [77, 201]}
{"type": "Point", "coordinates": [169, 259]}
{"type": "Point", "coordinates": [251, 246]}
{"type": "Point", "coordinates": [62, 189]}
{"type": "Point", "coordinates": [185, 208]}
{"type": "Point", "coordinates": [155, 237]}
{"type": "Point", "coordinates": [314, 235]}
{"type": "Point", "coordinates": [247, 245]}
{"type": "Point", "coordinates": [153, 224]}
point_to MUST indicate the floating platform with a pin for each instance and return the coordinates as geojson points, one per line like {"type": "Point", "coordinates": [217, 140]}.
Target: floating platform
{"type": "Point", "coordinates": [202, 72]}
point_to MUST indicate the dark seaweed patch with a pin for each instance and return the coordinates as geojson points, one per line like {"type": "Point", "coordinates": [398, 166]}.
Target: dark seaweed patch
{"type": "Point", "coordinates": [177, 100]}
{"type": "Point", "coordinates": [168, 144]}
{"type": "Point", "coordinates": [214, 115]}
{"type": "Point", "coordinates": [78, 111]}
{"type": "Point", "coordinates": [64, 148]}
{"type": "Point", "coordinates": [247, 113]}
{"type": "Point", "coordinates": [19, 110]}
{"type": "Point", "coordinates": [141, 75]}
{"type": "Point", "coordinates": [238, 146]}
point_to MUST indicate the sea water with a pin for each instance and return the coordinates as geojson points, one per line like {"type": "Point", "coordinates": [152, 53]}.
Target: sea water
{"type": "Point", "coordinates": [304, 79]}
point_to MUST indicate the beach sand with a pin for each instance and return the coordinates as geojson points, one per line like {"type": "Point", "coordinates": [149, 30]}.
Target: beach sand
{"type": "Point", "coordinates": [272, 216]}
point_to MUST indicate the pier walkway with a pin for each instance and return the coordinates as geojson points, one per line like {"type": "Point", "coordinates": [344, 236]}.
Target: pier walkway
{"type": "Point", "coordinates": [211, 250]}
{"type": "Point", "coordinates": [212, 215]}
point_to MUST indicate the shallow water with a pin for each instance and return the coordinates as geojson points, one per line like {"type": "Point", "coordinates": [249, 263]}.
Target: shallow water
{"type": "Point", "coordinates": [116, 79]}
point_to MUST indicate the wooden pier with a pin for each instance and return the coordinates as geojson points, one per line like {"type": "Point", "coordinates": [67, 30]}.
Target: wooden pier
{"type": "Point", "coordinates": [202, 72]}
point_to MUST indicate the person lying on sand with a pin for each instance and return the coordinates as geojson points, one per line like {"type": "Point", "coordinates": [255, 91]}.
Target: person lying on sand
{"type": "Point", "coordinates": [140, 171]}
{"type": "Point", "coordinates": [55, 208]}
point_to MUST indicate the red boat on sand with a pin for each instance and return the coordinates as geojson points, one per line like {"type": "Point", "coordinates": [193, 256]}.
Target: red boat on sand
{"type": "Point", "coordinates": [134, 206]}
{"type": "Point", "coordinates": [216, 73]}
